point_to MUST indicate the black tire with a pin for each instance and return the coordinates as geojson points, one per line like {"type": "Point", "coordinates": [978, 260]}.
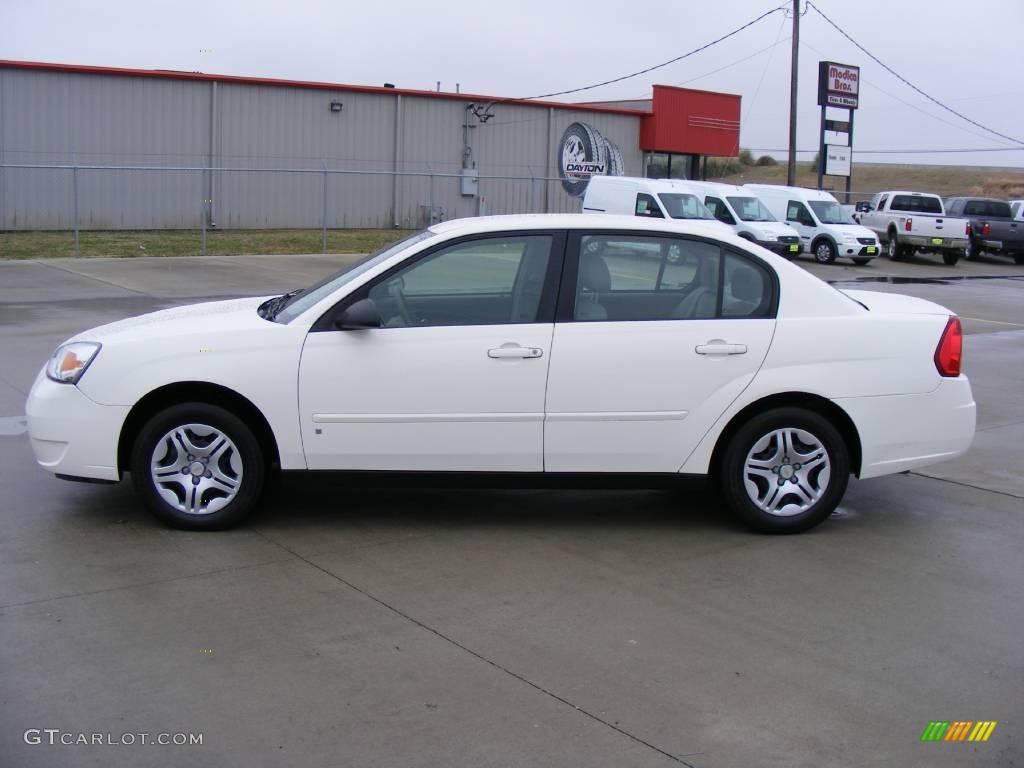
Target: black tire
{"type": "Point", "coordinates": [616, 165]}
{"type": "Point", "coordinates": [733, 473]}
{"type": "Point", "coordinates": [860, 261]}
{"type": "Point", "coordinates": [892, 246]}
{"type": "Point", "coordinates": [243, 451]}
{"type": "Point", "coordinates": [1018, 258]}
{"type": "Point", "coordinates": [824, 251]}
{"type": "Point", "coordinates": [580, 144]}
{"type": "Point", "coordinates": [950, 258]}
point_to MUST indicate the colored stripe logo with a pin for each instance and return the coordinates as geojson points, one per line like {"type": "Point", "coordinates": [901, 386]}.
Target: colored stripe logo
{"type": "Point", "coordinates": [959, 730]}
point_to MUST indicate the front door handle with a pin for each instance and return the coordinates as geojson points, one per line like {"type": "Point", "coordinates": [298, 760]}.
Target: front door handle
{"type": "Point", "coordinates": [506, 351]}
{"type": "Point", "coordinates": [718, 347]}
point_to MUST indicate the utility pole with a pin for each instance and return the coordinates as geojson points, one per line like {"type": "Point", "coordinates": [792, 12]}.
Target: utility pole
{"type": "Point", "coordinates": [794, 61]}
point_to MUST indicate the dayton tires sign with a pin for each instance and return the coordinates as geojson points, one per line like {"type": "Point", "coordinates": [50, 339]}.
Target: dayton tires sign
{"type": "Point", "coordinates": [584, 152]}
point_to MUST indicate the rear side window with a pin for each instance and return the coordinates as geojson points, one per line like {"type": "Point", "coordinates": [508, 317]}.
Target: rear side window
{"type": "Point", "coordinates": [624, 277]}
{"type": "Point", "coordinates": [916, 204]}
{"type": "Point", "coordinates": [647, 206]}
{"type": "Point", "coordinates": [747, 288]}
{"type": "Point", "coordinates": [995, 208]}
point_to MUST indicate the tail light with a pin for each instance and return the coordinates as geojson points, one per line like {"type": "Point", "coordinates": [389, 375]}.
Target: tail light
{"type": "Point", "coordinates": [908, 223]}
{"type": "Point", "coordinates": [985, 229]}
{"type": "Point", "coordinates": [967, 229]}
{"type": "Point", "coordinates": [950, 350]}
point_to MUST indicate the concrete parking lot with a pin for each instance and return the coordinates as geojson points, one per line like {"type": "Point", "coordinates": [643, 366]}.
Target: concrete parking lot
{"type": "Point", "coordinates": [439, 627]}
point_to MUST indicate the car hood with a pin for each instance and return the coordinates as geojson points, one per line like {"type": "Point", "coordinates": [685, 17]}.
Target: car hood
{"type": "Point", "coordinates": [896, 303]}
{"type": "Point", "coordinates": [776, 228]}
{"type": "Point", "coordinates": [207, 317]}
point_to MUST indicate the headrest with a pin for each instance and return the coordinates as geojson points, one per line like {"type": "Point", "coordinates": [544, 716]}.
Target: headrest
{"type": "Point", "coordinates": [594, 274]}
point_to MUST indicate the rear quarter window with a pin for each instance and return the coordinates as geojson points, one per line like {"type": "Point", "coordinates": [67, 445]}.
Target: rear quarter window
{"type": "Point", "coordinates": [916, 204]}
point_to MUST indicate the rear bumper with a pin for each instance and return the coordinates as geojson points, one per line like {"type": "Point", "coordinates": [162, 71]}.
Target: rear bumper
{"type": "Point", "coordinates": [922, 241]}
{"type": "Point", "coordinates": [70, 434]}
{"type": "Point", "coordinates": [902, 432]}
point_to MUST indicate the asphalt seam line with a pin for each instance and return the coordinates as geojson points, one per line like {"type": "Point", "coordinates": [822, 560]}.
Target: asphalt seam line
{"type": "Point", "coordinates": [475, 654]}
{"type": "Point", "coordinates": [91, 277]}
{"type": "Point", "coordinates": [966, 485]}
{"type": "Point", "coordinates": [144, 583]}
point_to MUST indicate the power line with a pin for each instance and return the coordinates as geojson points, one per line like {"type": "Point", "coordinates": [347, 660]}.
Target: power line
{"type": "Point", "coordinates": [904, 80]}
{"type": "Point", "coordinates": [704, 47]}
{"type": "Point", "coordinates": [906, 151]}
{"type": "Point", "coordinates": [893, 96]}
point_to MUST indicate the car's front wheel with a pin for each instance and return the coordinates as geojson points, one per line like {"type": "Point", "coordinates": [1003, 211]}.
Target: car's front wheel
{"type": "Point", "coordinates": [198, 466]}
{"type": "Point", "coordinates": [785, 470]}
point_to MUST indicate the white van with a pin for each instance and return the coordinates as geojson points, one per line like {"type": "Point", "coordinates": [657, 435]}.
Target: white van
{"type": "Point", "coordinates": [651, 198]}
{"type": "Point", "coordinates": [826, 230]}
{"type": "Point", "coordinates": [747, 216]}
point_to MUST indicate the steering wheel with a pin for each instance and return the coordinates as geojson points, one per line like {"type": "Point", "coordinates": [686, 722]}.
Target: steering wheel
{"type": "Point", "coordinates": [395, 292]}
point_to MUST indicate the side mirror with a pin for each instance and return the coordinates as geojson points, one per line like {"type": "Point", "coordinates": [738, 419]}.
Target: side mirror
{"type": "Point", "coordinates": [862, 207]}
{"type": "Point", "coordinates": [359, 316]}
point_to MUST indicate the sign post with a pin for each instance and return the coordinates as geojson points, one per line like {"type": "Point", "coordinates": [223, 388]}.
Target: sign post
{"type": "Point", "coordinates": [838, 87]}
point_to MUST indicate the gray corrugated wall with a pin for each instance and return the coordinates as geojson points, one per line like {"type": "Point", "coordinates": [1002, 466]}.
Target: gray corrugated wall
{"type": "Point", "coordinates": [67, 118]}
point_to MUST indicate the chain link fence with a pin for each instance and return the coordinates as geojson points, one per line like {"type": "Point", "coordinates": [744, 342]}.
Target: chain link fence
{"type": "Point", "coordinates": [82, 198]}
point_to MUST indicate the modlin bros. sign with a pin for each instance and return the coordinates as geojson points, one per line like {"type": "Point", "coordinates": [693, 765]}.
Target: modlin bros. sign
{"type": "Point", "coordinates": [838, 85]}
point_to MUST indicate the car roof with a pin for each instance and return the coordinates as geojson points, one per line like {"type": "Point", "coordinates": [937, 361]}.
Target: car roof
{"type": "Point", "coordinates": [720, 186]}
{"type": "Point", "coordinates": [904, 192]}
{"type": "Point", "coordinates": [809, 194]}
{"type": "Point", "coordinates": [480, 224]}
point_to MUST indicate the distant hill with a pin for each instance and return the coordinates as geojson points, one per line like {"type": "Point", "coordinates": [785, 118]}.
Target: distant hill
{"type": "Point", "coordinates": [868, 178]}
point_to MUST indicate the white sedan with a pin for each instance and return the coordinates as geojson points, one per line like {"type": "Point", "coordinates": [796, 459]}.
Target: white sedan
{"type": "Point", "coordinates": [558, 344]}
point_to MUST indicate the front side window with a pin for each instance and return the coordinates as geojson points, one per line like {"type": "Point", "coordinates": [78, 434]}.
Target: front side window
{"type": "Point", "coordinates": [750, 209]}
{"type": "Point", "coordinates": [830, 212]}
{"type": "Point", "coordinates": [488, 281]}
{"type": "Point", "coordinates": [719, 211]}
{"type": "Point", "coordinates": [627, 277]}
{"type": "Point", "coordinates": [303, 300]}
{"type": "Point", "coordinates": [684, 206]}
{"type": "Point", "coordinates": [647, 206]}
{"type": "Point", "coordinates": [796, 211]}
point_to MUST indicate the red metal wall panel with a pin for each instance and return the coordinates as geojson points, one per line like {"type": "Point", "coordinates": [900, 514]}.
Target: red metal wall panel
{"type": "Point", "coordinates": [693, 122]}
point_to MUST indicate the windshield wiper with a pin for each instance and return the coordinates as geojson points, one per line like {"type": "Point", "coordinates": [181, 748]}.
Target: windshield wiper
{"type": "Point", "coordinates": [271, 307]}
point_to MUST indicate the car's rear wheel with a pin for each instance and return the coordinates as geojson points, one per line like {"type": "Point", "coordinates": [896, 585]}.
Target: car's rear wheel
{"type": "Point", "coordinates": [785, 470]}
{"type": "Point", "coordinates": [198, 466]}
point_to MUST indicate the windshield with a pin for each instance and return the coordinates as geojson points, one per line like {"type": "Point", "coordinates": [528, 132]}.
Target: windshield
{"type": "Point", "coordinates": [683, 206]}
{"type": "Point", "coordinates": [750, 209]}
{"type": "Point", "coordinates": [307, 298]}
{"type": "Point", "coordinates": [830, 212]}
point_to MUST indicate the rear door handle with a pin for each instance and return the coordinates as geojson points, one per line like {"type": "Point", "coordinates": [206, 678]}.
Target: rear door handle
{"type": "Point", "coordinates": [506, 351]}
{"type": "Point", "coordinates": [720, 348]}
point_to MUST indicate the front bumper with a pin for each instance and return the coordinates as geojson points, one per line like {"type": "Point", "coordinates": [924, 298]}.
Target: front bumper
{"type": "Point", "coordinates": [902, 432]}
{"type": "Point", "coordinates": [72, 435]}
{"type": "Point", "coordinates": [782, 249]}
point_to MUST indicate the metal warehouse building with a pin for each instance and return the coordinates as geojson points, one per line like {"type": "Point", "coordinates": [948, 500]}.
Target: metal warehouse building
{"type": "Point", "coordinates": [147, 149]}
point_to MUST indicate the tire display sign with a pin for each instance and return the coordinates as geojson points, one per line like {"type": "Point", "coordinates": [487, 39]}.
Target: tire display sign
{"type": "Point", "coordinates": [583, 152]}
{"type": "Point", "coordinates": [838, 85]}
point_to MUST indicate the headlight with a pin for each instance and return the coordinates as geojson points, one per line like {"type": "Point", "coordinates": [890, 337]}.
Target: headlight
{"type": "Point", "coordinates": [70, 361]}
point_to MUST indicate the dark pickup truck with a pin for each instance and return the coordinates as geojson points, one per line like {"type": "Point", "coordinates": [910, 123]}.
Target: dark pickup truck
{"type": "Point", "coordinates": [992, 227]}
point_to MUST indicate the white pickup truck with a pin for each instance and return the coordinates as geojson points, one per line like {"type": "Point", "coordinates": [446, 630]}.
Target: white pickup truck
{"type": "Point", "coordinates": [914, 221]}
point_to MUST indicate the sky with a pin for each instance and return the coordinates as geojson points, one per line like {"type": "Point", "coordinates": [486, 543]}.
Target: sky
{"type": "Point", "coordinates": [966, 55]}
